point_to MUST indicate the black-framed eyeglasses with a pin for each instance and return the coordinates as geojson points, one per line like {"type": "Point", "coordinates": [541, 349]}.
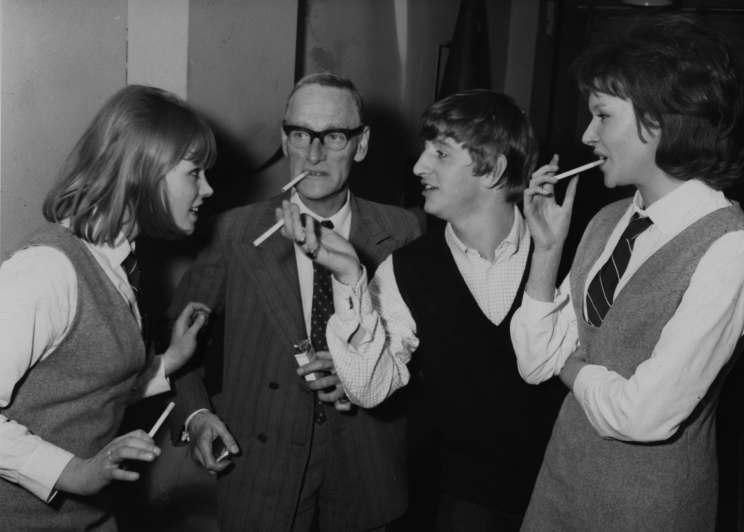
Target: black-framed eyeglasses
{"type": "Point", "coordinates": [333, 139]}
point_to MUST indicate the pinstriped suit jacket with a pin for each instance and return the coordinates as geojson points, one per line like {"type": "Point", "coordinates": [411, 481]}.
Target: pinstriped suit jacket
{"type": "Point", "coordinates": [256, 390]}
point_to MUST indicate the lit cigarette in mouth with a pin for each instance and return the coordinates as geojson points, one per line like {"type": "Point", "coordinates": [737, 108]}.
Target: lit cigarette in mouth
{"type": "Point", "coordinates": [578, 169]}
{"type": "Point", "coordinates": [294, 181]}
{"type": "Point", "coordinates": [278, 225]}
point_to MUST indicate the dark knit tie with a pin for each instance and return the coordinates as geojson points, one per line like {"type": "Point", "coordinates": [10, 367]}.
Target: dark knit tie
{"type": "Point", "coordinates": [601, 290]}
{"type": "Point", "coordinates": [321, 310]}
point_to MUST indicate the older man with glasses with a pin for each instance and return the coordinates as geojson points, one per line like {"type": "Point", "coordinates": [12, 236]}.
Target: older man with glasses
{"type": "Point", "coordinates": [301, 456]}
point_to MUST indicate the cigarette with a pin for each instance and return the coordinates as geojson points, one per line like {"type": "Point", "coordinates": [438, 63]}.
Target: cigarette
{"type": "Point", "coordinates": [296, 180]}
{"type": "Point", "coordinates": [278, 225]}
{"type": "Point", "coordinates": [578, 169]}
{"type": "Point", "coordinates": [270, 231]}
{"type": "Point", "coordinates": [161, 419]}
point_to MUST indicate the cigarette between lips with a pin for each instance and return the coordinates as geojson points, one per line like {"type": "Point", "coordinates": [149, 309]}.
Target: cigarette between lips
{"type": "Point", "coordinates": [278, 225]}
{"type": "Point", "coordinates": [294, 181]}
{"type": "Point", "coordinates": [161, 419]}
{"type": "Point", "coordinates": [578, 169]}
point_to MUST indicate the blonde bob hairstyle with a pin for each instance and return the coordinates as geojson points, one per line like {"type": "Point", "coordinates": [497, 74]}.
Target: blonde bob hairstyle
{"type": "Point", "coordinates": [112, 181]}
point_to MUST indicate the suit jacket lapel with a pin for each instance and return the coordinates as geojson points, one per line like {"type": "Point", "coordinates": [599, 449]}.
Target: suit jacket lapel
{"type": "Point", "coordinates": [367, 235]}
{"type": "Point", "coordinates": [274, 269]}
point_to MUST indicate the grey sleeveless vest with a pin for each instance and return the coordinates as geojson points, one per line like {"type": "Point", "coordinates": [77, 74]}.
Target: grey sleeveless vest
{"type": "Point", "coordinates": [75, 398]}
{"type": "Point", "coordinates": [590, 483]}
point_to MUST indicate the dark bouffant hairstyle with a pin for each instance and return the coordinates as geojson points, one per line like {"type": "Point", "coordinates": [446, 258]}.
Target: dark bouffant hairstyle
{"type": "Point", "coordinates": [683, 80]}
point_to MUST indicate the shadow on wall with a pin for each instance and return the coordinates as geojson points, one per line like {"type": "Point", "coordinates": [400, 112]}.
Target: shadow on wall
{"type": "Point", "coordinates": [383, 174]}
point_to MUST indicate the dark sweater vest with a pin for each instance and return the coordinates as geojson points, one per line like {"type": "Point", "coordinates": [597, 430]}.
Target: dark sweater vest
{"type": "Point", "coordinates": [592, 483]}
{"type": "Point", "coordinates": [75, 398]}
{"type": "Point", "coordinates": [470, 413]}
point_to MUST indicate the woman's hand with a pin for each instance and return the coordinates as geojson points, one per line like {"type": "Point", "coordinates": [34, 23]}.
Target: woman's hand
{"type": "Point", "coordinates": [548, 221]}
{"type": "Point", "coordinates": [86, 476]}
{"type": "Point", "coordinates": [183, 337]}
{"type": "Point", "coordinates": [320, 244]}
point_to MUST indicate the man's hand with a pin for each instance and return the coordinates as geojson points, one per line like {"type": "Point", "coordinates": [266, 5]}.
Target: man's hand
{"type": "Point", "coordinates": [86, 476]}
{"type": "Point", "coordinates": [204, 428]}
{"type": "Point", "coordinates": [183, 337]}
{"type": "Point", "coordinates": [323, 245]}
{"type": "Point", "coordinates": [327, 384]}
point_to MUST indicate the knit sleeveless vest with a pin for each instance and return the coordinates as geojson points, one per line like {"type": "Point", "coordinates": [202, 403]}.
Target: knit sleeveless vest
{"type": "Point", "coordinates": [75, 398]}
{"type": "Point", "coordinates": [467, 402]}
{"type": "Point", "coordinates": [591, 483]}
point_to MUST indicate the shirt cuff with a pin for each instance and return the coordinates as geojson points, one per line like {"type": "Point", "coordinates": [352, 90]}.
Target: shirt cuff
{"type": "Point", "coordinates": [533, 309]}
{"type": "Point", "coordinates": [154, 380]}
{"type": "Point", "coordinates": [583, 386]}
{"type": "Point", "coordinates": [347, 301]}
{"type": "Point", "coordinates": [185, 433]}
{"type": "Point", "coordinates": [43, 468]}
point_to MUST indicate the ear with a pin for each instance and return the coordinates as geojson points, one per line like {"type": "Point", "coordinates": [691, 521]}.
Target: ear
{"type": "Point", "coordinates": [284, 142]}
{"type": "Point", "coordinates": [361, 149]}
{"type": "Point", "coordinates": [492, 178]}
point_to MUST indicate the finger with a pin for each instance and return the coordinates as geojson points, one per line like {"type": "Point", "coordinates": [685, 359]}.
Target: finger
{"type": "Point", "coordinates": [325, 355]}
{"type": "Point", "coordinates": [311, 367]}
{"type": "Point", "coordinates": [295, 221]}
{"type": "Point", "coordinates": [327, 381]}
{"type": "Point", "coordinates": [342, 404]}
{"type": "Point", "coordinates": [132, 453]}
{"type": "Point", "coordinates": [228, 440]}
{"type": "Point", "coordinates": [204, 451]}
{"type": "Point", "coordinates": [138, 438]}
{"type": "Point", "coordinates": [554, 159]}
{"type": "Point", "coordinates": [124, 475]}
{"type": "Point", "coordinates": [198, 320]}
{"type": "Point", "coordinates": [332, 396]}
{"type": "Point", "coordinates": [311, 237]}
{"type": "Point", "coordinates": [568, 199]}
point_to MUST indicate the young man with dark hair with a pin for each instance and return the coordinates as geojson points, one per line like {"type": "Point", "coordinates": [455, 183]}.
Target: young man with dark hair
{"type": "Point", "coordinates": [437, 312]}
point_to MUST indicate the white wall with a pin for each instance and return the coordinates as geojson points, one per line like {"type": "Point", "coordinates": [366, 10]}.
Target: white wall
{"type": "Point", "coordinates": [60, 61]}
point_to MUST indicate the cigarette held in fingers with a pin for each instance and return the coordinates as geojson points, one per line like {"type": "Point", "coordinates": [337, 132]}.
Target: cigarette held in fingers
{"type": "Point", "coordinates": [294, 181]}
{"type": "Point", "coordinates": [266, 234]}
{"type": "Point", "coordinates": [278, 225]}
{"type": "Point", "coordinates": [578, 169]}
{"type": "Point", "coordinates": [161, 419]}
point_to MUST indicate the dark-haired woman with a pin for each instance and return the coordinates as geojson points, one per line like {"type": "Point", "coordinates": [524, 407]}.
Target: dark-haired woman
{"type": "Point", "coordinates": [645, 325]}
{"type": "Point", "coordinates": [72, 356]}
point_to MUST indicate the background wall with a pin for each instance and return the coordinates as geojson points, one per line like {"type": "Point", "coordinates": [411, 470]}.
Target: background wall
{"type": "Point", "coordinates": [234, 61]}
{"type": "Point", "coordinates": [60, 61]}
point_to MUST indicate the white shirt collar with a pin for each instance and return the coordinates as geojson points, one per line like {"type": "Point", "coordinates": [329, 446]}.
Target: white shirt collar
{"type": "Point", "coordinates": [680, 207]}
{"type": "Point", "coordinates": [341, 220]}
{"type": "Point", "coordinates": [509, 246]}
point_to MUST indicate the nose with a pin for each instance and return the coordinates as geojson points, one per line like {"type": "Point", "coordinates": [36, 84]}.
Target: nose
{"type": "Point", "coordinates": [205, 190]}
{"type": "Point", "coordinates": [421, 168]}
{"type": "Point", "coordinates": [590, 133]}
{"type": "Point", "coordinates": [317, 151]}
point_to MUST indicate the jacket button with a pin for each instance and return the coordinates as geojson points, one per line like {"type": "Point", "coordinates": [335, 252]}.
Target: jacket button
{"type": "Point", "coordinates": [273, 385]}
{"type": "Point", "coordinates": [262, 437]}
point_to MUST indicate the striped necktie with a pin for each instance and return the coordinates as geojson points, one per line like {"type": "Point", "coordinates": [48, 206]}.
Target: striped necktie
{"type": "Point", "coordinates": [601, 291]}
